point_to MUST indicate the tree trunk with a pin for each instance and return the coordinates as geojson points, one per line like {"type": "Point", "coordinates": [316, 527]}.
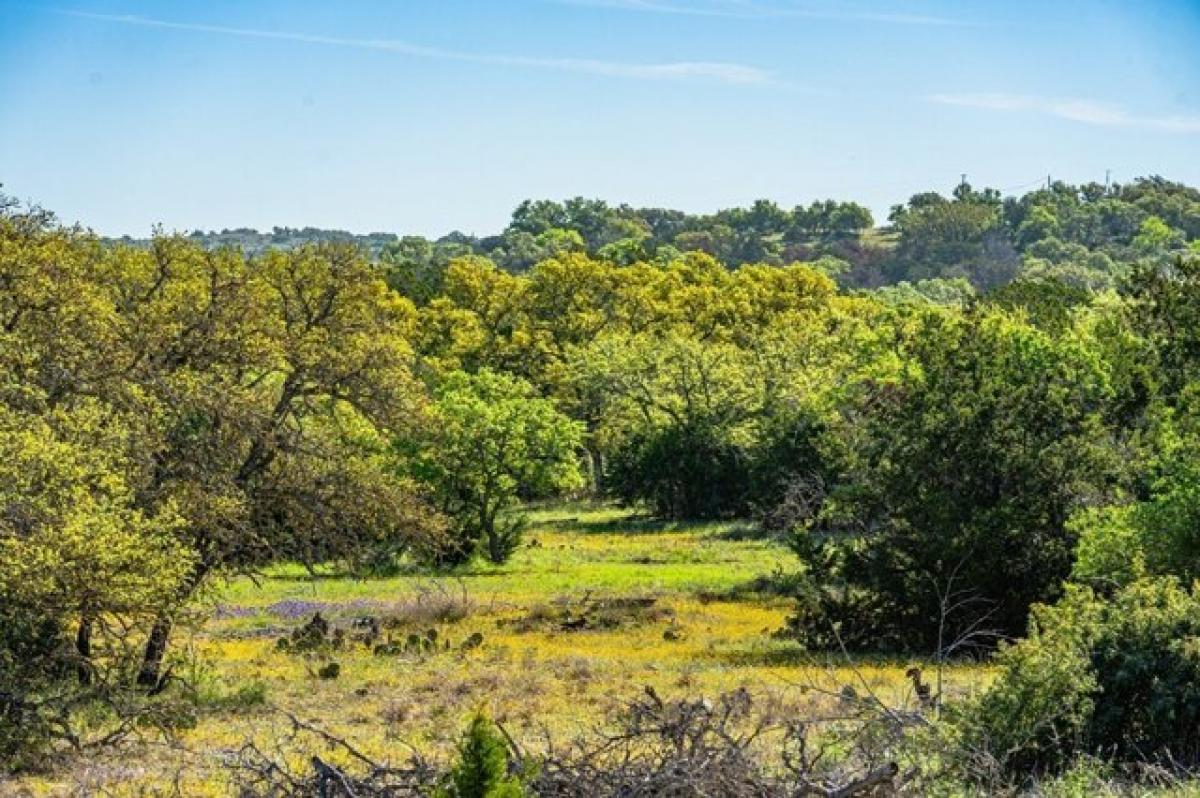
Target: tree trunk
{"type": "Point", "coordinates": [595, 469]}
{"type": "Point", "coordinates": [595, 459]}
{"type": "Point", "coordinates": [488, 522]}
{"type": "Point", "coordinates": [150, 674]}
{"type": "Point", "coordinates": [83, 649]}
{"type": "Point", "coordinates": [156, 649]}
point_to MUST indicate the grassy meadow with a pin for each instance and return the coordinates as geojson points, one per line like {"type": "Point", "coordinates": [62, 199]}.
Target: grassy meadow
{"type": "Point", "coordinates": [599, 604]}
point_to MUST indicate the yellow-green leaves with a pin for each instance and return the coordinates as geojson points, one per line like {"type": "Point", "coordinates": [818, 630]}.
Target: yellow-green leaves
{"type": "Point", "coordinates": [191, 411]}
{"type": "Point", "coordinates": [72, 541]}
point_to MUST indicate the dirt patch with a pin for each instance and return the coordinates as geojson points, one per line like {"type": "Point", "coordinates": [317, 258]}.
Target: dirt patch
{"type": "Point", "coordinates": [591, 613]}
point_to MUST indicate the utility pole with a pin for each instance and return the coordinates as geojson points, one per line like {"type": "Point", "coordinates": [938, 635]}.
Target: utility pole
{"type": "Point", "coordinates": [962, 183]}
{"type": "Point", "coordinates": [1048, 182]}
{"type": "Point", "coordinates": [1107, 179]}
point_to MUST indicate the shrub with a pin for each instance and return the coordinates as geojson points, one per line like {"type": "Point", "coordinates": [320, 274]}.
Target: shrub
{"type": "Point", "coordinates": [504, 540]}
{"type": "Point", "coordinates": [797, 456]}
{"type": "Point", "coordinates": [482, 767]}
{"type": "Point", "coordinates": [30, 663]}
{"type": "Point", "coordinates": [432, 603]}
{"type": "Point", "coordinates": [243, 697]}
{"type": "Point", "coordinates": [1110, 551]}
{"type": "Point", "coordinates": [950, 517]}
{"type": "Point", "coordinates": [1118, 678]}
{"type": "Point", "coordinates": [683, 472]}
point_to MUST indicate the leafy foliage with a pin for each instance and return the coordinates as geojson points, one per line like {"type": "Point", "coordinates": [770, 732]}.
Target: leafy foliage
{"type": "Point", "coordinates": [204, 413]}
{"type": "Point", "coordinates": [492, 440]}
{"type": "Point", "coordinates": [1117, 678]}
{"type": "Point", "coordinates": [1156, 533]}
{"type": "Point", "coordinates": [975, 454]}
{"type": "Point", "coordinates": [83, 573]}
{"type": "Point", "coordinates": [947, 417]}
{"type": "Point", "coordinates": [482, 767]}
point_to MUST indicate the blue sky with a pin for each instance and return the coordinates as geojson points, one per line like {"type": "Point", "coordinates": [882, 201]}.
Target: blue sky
{"type": "Point", "coordinates": [430, 116]}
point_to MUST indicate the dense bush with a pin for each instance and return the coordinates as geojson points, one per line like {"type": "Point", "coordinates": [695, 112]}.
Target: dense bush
{"type": "Point", "coordinates": [704, 467]}
{"type": "Point", "coordinates": [683, 472]}
{"type": "Point", "coordinates": [951, 518]}
{"type": "Point", "coordinates": [796, 450]}
{"type": "Point", "coordinates": [1118, 679]}
{"type": "Point", "coordinates": [30, 662]}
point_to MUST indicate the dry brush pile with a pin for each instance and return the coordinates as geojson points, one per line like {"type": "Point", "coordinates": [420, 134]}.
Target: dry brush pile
{"type": "Point", "coordinates": [733, 746]}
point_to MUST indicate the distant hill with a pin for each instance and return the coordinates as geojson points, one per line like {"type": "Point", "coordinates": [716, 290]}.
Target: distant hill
{"type": "Point", "coordinates": [1085, 235]}
{"type": "Point", "coordinates": [252, 241]}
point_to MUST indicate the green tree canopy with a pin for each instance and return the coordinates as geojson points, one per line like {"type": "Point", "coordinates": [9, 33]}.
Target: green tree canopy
{"type": "Point", "coordinates": [492, 440]}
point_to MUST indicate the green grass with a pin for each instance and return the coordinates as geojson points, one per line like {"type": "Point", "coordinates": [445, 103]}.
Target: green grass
{"type": "Point", "coordinates": [569, 548]}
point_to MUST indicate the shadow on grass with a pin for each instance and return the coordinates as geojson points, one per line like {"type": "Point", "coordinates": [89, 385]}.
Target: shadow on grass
{"type": "Point", "coordinates": [785, 653]}
{"type": "Point", "coordinates": [765, 654]}
{"type": "Point", "coordinates": [332, 575]}
{"type": "Point", "coordinates": [641, 524]}
{"type": "Point", "coordinates": [609, 517]}
{"type": "Point", "coordinates": [746, 530]}
{"type": "Point", "coordinates": [403, 570]}
{"type": "Point", "coordinates": [623, 525]}
{"type": "Point", "coordinates": [779, 584]}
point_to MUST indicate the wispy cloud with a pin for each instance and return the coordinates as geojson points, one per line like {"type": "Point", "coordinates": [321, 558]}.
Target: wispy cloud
{"type": "Point", "coordinates": [766, 9]}
{"type": "Point", "coordinates": [1089, 112]}
{"type": "Point", "coordinates": [698, 70]}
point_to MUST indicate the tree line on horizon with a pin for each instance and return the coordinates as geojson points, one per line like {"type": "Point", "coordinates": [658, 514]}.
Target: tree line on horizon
{"type": "Point", "coordinates": [1079, 233]}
